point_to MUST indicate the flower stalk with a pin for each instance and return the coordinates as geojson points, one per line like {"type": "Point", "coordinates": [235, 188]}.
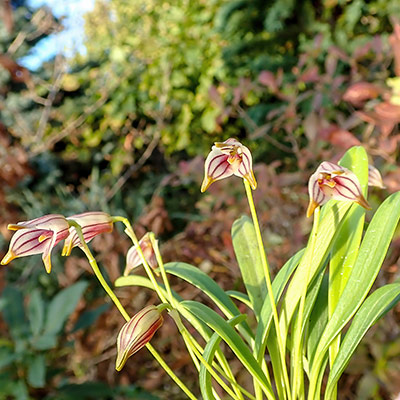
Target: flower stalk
{"type": "Point", "coordinates": [130, 232]}
{"type": "Point", "coordinates": [297, 364]}
{"type": "Point", "coordinates": [267, 276]}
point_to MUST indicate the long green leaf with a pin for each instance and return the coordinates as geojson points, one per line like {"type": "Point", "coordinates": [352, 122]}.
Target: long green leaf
{"type": "Point", "coordinates": [241, 297]}
{"type": "Point", "coordinates": [318, 320]}
{"type": "Point", "coordinates": [331, 216]}
{"type": "Point", "coordinates": [207, 285]}
{"type": "Point", "coordinates": [374, 307]}
{"type": "Point", "coordinates": [278, 285]}
{"type": "Point", "coordinates": [35, 311]}
{"type": "Point", "coordinates": [369, 260]}
{"type": "Point", "coordinates": [208, 354]}
{"type": "Point", "coordinates": [346, 245]}
{"type": "Point", "coordinates": [62, 306]}
{"type": "Point", "coordinates": [249, 259]}
{"type": "Point", "coordinates": [234, 341]}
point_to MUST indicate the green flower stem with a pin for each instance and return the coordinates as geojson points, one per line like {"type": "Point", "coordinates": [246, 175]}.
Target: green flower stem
{"type": "Point", "coordinates": [297, 378]}
{"type": "Point", "coordinates": [192, 344]}
{"type": "Point", "coordinates": [121, 309]}
{"type": "Point", "coordinates": [173, 302]}
{"type": "Point", "coordinates": [169, 371]}
{"type": "Point", "coordinates": [130, 232]}
{"type": "Point", "coordinates": [96, 270]}
{"type": "Point", "coordinates": [214, 374]}
{"type": "Point", "coordinates": [224, 370]}
{"type": "Point", "coordinates": [269, 284]}
{"type": "Point", "coordinates": [161, 265]}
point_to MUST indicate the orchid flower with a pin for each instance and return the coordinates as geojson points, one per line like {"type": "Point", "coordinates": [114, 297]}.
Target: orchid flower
{"type": "Point", "coordinates": [226, 159]}
{"type": "Point", "coordinates": [136, 333]}
{"type": "Point", "coordinates": [37, 236]}
{"type": "Point", "coordinates": [92, 223]}
{"type": "Point", "coordinates": [133, 258]}
{"type": "Point", "coordinates": [375, 177]}
{"type": "Point", "coordinates": [331, 181]}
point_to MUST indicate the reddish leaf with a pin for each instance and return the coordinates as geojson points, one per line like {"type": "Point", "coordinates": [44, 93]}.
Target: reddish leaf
{"type": "Point", "coordinates": [267, 78]}
{"type": "Point", "coordinates": [339, 137]}
{"type": "Point", "coordinates": [310, 75]}
{"type": "Point", "coordinates": [360, 92]}
{"type": "Point", "coordinates": [388, 112]}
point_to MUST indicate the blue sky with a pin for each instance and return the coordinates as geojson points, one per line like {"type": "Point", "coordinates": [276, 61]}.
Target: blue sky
{"type": "Point", "coordinates": [69, 40]}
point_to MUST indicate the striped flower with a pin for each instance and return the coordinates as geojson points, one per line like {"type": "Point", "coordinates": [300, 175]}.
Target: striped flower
{"type": "Point", "coordinates": [37, 236]}
{"type": "Point", "coordinates": [375, 177]}
{"type": "Point", "coordinates": [331, 181]}
{"type": "Point", "coordinates": [92, 223]}
{"type": "Point", "coordinates": [133, 258]}
{"type": "Point", "coordinates": [226, 159]}
{"type": "Point", "coordinates": [136, 333]}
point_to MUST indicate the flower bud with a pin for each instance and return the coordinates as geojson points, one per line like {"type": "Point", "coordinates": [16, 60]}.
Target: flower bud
{"type": "Point", "coordinates": [331, 181]}
{"type": "Point", "coordinates": [136, 333]}
{"type": "Point", "coordinates": [133, 258]}
{"type": "Point", "coordinates": [92, 223]}
{"type": "Point", "coordinates": [375, 177]}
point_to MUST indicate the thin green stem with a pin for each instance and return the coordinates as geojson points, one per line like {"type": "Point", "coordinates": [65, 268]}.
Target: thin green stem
{"type": "Point", "coordinates": [173, 302]}
{"type": "Point", "coordinates": [169, 371]}
{"type": "Point", "coordinates": [214, 374]}
{"type": "Point", "coordinates": [161, 265]}
{"type": "Point", "coordinates": [121, 309]}
{"type": "Point", "coordinates": [96, 270]}
{"type": "Point", "coordinates": [130, 232]}
{"type": "Point", "coordinates": [198, 349]}
{"type": "Point", "coordinates": [269, 284]}
{"type": "Point", "coordinates": [298, 333]}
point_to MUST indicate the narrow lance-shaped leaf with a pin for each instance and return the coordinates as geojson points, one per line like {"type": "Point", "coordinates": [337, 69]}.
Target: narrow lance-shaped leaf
{"type": "Point", "coordinates": [208, 286]}
{"type": "Point", "coordinates": [345, 247]}
{"type": "Point", "coordinates": [205, 382]}
{"type": "Point", "coordinates": [369, 260]}
{"type": "Point", "coordinates": [62, 306]}
{"type": "Point", "coordinates": [249, 260]}
{"type": "Point", "coordinates": [278, 285]}
{"type": "Point", "coordinates": [331, 216]}
{"type": "Point", "coordinates": [374, 307]}
{"type": "Point", "coordinates": [234, 341]}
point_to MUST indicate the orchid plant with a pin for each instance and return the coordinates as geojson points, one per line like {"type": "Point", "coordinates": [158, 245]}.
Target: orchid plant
{"type": "Point", "coordinates": [307, 320]}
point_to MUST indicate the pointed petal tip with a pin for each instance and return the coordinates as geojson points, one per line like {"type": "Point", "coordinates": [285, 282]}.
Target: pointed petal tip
{"type": "Point", "coordinates": [311, 208]}
{"type": "Point", "coordinates": [119, 364]}
{"type": "Point", "coordinates": [7, 258]}
{"type": "Point", "coordinates": [251, 179]}
{"type": "Point", "coordinates": [363, 202]}
{"type": "Point", "coordinates": [47, 263]}
{"type": "Point", "coordinates": [207, 181]}
{"type": "Point", "coordinates": [14, 227]}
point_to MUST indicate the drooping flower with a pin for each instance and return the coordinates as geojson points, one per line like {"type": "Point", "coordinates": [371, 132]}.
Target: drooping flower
{"type": "Point", "coordinates": [375, 177]}
{"type": "Point", "coordinates": [136, 333]}
{"type": "Point", "coordinates": [37, 236]}
{"type": "Point", "coordinates": [92, 223]}
{"type": "Point", "coordinates": [331, 181]}
{"type": "Point", "coordinates": [133, 258]}
{"type": "Point", "coordinates": [226, 159]}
